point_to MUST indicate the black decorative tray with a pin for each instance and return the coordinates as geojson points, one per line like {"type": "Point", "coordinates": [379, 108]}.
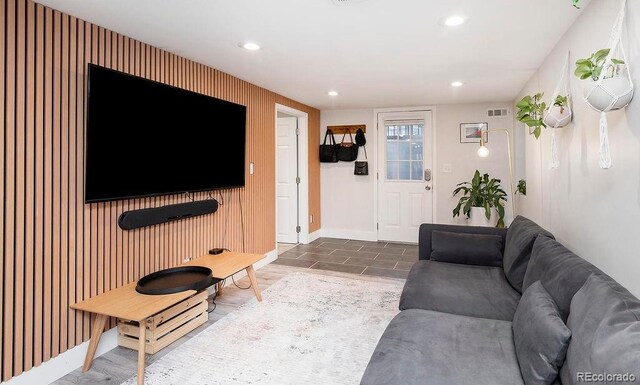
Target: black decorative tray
{"type": "Point", "coordinates": [175, 280]}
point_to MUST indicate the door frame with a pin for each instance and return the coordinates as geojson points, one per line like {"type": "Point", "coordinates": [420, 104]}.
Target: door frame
{"type": "Point", "coordinates": [303, 169]}
{"type": "Point", "coordinates": [434, 159]}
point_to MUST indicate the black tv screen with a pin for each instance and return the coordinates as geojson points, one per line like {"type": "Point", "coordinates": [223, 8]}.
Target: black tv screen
{"type": "Point", "coordinates": [146, 138]}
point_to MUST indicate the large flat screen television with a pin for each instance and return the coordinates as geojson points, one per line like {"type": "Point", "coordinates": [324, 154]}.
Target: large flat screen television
{"type": "Point", "coordinates": [146, 138]}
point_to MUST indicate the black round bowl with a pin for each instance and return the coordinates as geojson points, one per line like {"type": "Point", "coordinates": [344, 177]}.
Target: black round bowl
{"type": "Point", "coordinates": [175, 280]}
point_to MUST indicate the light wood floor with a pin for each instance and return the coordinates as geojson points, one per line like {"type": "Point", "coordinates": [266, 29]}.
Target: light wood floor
{"type": "Point", "coordinates": [119, 364]}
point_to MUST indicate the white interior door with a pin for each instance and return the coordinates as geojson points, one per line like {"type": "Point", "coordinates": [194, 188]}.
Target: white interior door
{"type": "Point", "coordinates": [287, 180]}
{"type": "Point", "coordinates": [405, 161]}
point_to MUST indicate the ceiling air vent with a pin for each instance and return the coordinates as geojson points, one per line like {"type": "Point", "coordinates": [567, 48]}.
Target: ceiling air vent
{"type": "Point", "coordinates": [347, 2]}
{"type": "Point", "coordinates": [498, 112]}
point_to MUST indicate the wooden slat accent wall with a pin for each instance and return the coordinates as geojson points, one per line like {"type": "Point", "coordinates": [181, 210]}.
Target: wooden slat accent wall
{"type": "Point", "coordinates": [55, 249]}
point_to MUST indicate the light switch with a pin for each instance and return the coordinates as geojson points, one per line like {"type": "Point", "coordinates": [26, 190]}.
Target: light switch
{"type": "Point", "coordinates": [252, 168]}
{"type": "Point", "coordinates": [447, 168]}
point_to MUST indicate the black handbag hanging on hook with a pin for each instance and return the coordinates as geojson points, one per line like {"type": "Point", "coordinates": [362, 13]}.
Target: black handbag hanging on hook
{"type": "Point", "coordinates": [329, 152]}
{"type": "Point", "coordinates": [347, 151]}
{"type": "Point", "coordinates": [362, 166]}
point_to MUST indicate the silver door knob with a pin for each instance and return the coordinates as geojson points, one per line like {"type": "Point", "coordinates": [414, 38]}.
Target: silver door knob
{"type": "Point", "coordinates": [428, 188]}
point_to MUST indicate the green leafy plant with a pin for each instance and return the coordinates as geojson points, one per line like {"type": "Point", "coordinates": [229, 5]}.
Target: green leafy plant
{"type": "Point", "coordinates": [521, 188]}
{"type": "Point", "coordinates": [561, 101]}
{"type": "Point", "coordinates": [483, 192]}
{"type": "Point", "coordinates": [530, 112]}
{"type": "Point", "coordinates": [575, 3]}
{"type": "Point", "coordinates": [592, 67]}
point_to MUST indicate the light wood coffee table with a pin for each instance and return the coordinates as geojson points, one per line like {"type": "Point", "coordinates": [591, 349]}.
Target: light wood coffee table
{"type": "Point", "coordinates": [126, 303]}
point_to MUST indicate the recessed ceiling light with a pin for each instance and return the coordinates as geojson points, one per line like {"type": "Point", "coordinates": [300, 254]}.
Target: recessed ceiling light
{"type": "Point", "coordinates": [453, 21]}
{"type": "Point", "coordinates": [332, 93]}
{"type": "Point", "coordinates": [249, 46]}
{"type": "Point", "coordinates": [457, 84]}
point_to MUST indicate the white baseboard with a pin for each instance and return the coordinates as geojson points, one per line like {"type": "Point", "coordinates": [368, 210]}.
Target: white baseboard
{"type": "Point", "coordinates": [350, 234]}
{"type": "Point", "coordinates": [65, 363]}
{"type": "Point", "coordinates": [315, 235]}
{"type": "Point", "coordinates": [73, 358]}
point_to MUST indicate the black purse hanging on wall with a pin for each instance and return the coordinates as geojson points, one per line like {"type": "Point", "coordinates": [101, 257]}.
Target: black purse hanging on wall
{"type": "Point", "coordinates": [362, 166]}
{"type": "Point", "coordinates": [347, 151]}
{"type": "Point", "coordinates": [329, 152]}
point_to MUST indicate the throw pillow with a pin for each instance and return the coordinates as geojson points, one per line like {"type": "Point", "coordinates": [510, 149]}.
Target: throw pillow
{"type": "Point", "coordinates": [469, 249]}
{"type": "Point", "coordinates": [517, 249]}
{"type": "Point", "coordinates": [540, 336]}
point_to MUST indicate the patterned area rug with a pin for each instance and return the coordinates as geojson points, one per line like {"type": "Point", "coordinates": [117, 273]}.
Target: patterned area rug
{"type": "Point", "coordinates": [309, 329]}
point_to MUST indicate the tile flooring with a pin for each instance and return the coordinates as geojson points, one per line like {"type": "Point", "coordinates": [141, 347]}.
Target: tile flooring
{"type": "Point", "coordinates": [381, 259]}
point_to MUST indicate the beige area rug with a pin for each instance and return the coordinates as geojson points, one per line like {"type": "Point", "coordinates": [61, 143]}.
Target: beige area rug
{"type": "Point", "coordinates": [309, 329]}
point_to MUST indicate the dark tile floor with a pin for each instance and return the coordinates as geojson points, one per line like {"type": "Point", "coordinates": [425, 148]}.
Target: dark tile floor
{"type": "Point", "coordinates": [349, 256]}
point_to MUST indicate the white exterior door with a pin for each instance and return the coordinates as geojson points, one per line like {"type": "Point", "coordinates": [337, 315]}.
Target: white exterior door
{"type": "Point", "coordinates": [287, 180]}
{"type": "Point", "coordinates": [405, 186]}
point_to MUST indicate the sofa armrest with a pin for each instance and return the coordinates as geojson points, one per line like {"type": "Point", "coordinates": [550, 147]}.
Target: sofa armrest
{"type": "Point", "coordinates": [424, 237]}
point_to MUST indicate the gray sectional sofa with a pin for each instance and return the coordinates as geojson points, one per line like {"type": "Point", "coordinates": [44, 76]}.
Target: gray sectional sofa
{"type": "Point", "coordinates": [495, 306]}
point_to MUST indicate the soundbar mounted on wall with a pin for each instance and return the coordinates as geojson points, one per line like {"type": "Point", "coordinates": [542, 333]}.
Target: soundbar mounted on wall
{"type": "Point", "coordinates": [130, 220]}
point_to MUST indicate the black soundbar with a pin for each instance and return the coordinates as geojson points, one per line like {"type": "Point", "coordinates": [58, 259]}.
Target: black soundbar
{"type": "Point", "coordinates": [135, 219]}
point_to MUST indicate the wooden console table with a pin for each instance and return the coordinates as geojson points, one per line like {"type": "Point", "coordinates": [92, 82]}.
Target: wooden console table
{"type": "Point", "coordinates": [126, 303]}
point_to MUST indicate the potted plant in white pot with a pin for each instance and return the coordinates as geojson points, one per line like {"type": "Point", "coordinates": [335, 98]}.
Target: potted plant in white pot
{"type": "Point", "coordinates": [530, 112]}
{"type": "Point", "coordinates": [559, 113]}
{"type": "Point", "coordinates": [481, 198]}
{"type": "Point", "coordinates": [615, 91]}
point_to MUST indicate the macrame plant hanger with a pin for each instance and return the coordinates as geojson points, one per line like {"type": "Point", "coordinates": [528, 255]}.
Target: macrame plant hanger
{"type": "Point", "coordinates": [554, 118]}
{"type": "Point", "coordinates": [618, 100]}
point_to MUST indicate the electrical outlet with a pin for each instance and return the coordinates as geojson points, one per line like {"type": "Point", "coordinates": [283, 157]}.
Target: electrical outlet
{"type": "Point", "coordinates": [186, 259]}
{"type": "Point", "coordinates": [252, 168]}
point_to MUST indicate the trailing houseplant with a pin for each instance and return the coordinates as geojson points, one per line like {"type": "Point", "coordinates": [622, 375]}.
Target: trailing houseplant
{"type": "Point", "coordinates": [521, 188]}
{"type": "Point", "coordinates": [592, 67]}
{"type": "Point", "coordinates": [482, 194]}
{"type": "Point", "coordinates": [531, 111]}
{"type": "Point", "coordinates": [576, 3]}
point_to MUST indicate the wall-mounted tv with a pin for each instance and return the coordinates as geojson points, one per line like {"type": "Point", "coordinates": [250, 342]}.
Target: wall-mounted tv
{"type": "Point", "coordinates": [145, 138]}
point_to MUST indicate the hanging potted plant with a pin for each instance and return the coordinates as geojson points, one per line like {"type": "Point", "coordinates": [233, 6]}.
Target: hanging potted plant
{"type": "Point", "coordinates": [530, 112]}
{"type": "Point", "coordinates": [482, 197]}
{"type": "Point", "coordinates": [559, 114]}
{"type": "Point", "coordinates": [615, 91]}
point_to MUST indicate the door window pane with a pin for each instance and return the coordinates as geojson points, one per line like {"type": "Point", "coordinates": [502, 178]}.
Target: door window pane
{"type": "Point", "coordinates": [392, 170]}
{"type": "Point", "coordinates": [416, 150]}
{"type": "Point", "coordinates": [404, 150]}
{"type": "Point", "coordinates": [404, 173]}
{"type": "Point", "coordinates": [392, 150]}
{"type": "Point", "coordinates": [416, 170]}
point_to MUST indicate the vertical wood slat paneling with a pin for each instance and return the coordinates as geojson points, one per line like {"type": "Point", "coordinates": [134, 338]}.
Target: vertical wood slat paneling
{"type": "Point", "coordinates": [9, 201]}
{"type": "Point", "coordinates": [3, 254]}
{"type": "Point", "coordinates": [55, 249]}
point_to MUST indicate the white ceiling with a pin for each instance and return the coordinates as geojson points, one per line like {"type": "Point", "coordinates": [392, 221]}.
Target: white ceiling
{"type": "Point", "coordinates": [376, 53]}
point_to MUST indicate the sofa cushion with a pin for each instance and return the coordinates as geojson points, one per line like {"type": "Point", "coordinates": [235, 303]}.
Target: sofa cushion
{"type": "Point", "coordinates": [605, 327]}
{"type": "Point", "coordinates": [470, 249]}
{"type": "Point", "coordinates": [541, 337]}
{"type": "Point", "coordinates": [517, 249]}
{"type": "Point", "coordinates": [432, 348]}
{"type": "Point", "coordinates": [426, 230]}
{"type": "Point", "coordinates": [476, 291]}
{"type": "Point", "coordinates": [561, 272]}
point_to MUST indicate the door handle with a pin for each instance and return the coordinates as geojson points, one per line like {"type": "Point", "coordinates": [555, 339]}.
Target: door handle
{"type": "Point", "coordinates": [428, 188]}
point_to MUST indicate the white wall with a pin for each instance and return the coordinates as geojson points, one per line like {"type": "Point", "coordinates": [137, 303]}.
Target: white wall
{"type": "Point", "coordinates": [348, 200]}
{"type": "Point", "coordinates": [594, 212]}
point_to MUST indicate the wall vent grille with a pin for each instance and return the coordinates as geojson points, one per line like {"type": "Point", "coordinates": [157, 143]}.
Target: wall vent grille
{"type": "Point", "coordinates": [498, 112]}
{"type": "Point", "coordinates": [347, 2]}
